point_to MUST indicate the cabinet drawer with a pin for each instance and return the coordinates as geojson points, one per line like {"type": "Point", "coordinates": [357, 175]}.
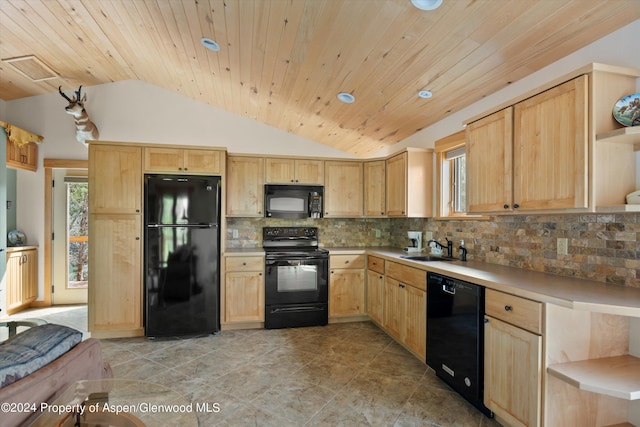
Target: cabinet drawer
{"type": "Point", "coordinates": [408, 275]}
{"type": "Point", "coordinates": [375, 264]}
{"type": "Point", "coordinates": [517, 311]}
{"type": "Point", "coordinates": [251, 263]}
{"type": "Point", "coordinates": [346, 261]}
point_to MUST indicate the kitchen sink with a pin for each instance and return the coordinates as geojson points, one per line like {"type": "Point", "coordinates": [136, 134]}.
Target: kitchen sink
{"type": "Point", "coordinates": [426, 258]}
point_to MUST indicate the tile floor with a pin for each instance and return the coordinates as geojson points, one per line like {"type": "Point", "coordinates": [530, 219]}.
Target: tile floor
{"type": "Point", "coordinates": [339, 375]}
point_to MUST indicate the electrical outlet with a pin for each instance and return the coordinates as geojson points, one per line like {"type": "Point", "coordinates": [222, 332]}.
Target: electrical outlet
{"type": "Point", "coordinates": [428, 235]}
{"type": "Point", "coordinates": [563, 246]}
{"type": "Point", "coordinates": [378, 234]}
{"type": "Point", "coordinates": [235, 233]}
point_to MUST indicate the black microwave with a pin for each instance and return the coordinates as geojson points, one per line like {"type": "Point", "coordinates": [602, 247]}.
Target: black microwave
{"type": "Point", "coordinates": [293, 201]}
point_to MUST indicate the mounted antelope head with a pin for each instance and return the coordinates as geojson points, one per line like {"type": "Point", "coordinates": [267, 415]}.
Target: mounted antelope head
{"type": "Point", "coordinates": [85, 128]}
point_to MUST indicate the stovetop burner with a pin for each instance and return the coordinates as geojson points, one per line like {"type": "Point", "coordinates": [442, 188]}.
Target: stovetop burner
{"type": "Point", "coordinates": [296, 238]}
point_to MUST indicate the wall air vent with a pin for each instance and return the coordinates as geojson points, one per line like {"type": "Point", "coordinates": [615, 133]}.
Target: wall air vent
{"type": "Point", "coordinates": [32, 67]}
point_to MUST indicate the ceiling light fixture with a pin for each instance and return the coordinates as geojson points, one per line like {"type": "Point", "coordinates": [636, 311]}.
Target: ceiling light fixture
{"type": "Point", "coordinates": [210, 44]}
{"type": "Point", "coordinates": [426, 94]}
{"type": "Point", "coordinates": [347, 98]}
{"type": "Point", "coordinates": [427, 4]}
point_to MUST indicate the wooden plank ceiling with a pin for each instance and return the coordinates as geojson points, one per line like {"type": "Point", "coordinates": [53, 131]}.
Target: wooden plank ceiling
{"type": "Point", "coordinates": [282, 62]}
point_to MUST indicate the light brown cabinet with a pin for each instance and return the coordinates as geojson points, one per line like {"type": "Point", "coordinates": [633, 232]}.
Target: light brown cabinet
{"type": "Point", "coordinates": [409, 181]}
{"type": "Point", "coordinates": [294, 171]}
{"type": "Point", "coordinates": [245, 186]}
{"type": "Point", "coordinates": [375, 289]}
{"type": "Point", "coordinates": [375, 189]}
{"type": "Point", "coordinates": [243, 290]}
{"type": "Point", "coordinates": [489, 163]}
{"type": "Point", "coordinates": [346, 285]}
{"type": "Point", "coordinates": [25, 157]}
{"type": "Point", "coordinates": [183, 161]}
{"type": "Point", "coordinates": [546, 136]}
{"type": "Point", "coordinates": [115, 179]}
{"type": "Point", "coordinates": [115, 294]}
{"type": "Point", "coordinates": [405, 306]}
{"type": "Point", "coordinates": [115, 230]}
{"type": "Point", "coordinates": [21, 279]}
{"type": "Point", "coordinates": [555, 150]}
{"type": "Point", "coordinates": [513, 358]}
{"type": "Point", "coordinates": [344, 191]}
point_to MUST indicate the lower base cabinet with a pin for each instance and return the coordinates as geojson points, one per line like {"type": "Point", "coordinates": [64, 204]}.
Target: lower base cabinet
{"type": "Point", "coordinates": [116, 293]}
{"type": "Point", "coordinates": [513, 359]}
{"type": "Point", "coordinates": [346, 287]}
{"type": "Point", "coordinates": [375, 296]}
{"type": "Point", "coordinates": [243, 290]}
{"type": "Point", "coordinates": [405, 306]}
{"type": "Point", "coordinates": [21, 279]}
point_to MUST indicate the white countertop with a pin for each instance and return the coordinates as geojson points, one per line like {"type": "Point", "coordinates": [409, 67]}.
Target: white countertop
{"type": "Point", "coordinates": [579, 294]}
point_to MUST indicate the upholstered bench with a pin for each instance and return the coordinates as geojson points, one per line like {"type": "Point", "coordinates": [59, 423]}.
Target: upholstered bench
{"type": "Point", "coordinates": [37, 365]}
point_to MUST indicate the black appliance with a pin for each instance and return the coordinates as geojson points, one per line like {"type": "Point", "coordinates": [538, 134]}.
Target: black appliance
{"type": "Point", "coordinates": [455, 336]}
{"type": "Point", "coordinates": [293, 201]}
{"type": "Point", "coordinates": [296, 278]}
{"type": "Point", "coordinates": [181, 255]}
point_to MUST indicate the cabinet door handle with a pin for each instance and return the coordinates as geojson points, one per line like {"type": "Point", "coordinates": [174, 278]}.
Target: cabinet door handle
{"type": "Point", "coordinates": [137, 237]}
{"type": "Point", "coordinates": [506, 206]}
{"type": "Point", "coordinates": [507, 308]}
{"type": "Point", "coordinates": [346, 262]}
{"type": "Point", "coordinates": [516, 206]}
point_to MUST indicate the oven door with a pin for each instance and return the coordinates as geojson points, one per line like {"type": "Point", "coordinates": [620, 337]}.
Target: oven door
{"type": "Point", "coordinates": [296, 279]}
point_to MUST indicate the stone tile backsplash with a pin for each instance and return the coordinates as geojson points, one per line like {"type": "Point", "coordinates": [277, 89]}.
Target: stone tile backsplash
{"type": "Point", "coordinates": [601, 247]}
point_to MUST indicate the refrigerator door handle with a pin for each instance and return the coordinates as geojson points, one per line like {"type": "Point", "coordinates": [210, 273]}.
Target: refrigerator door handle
{"type": "Point", "coordinates": [210, 225]}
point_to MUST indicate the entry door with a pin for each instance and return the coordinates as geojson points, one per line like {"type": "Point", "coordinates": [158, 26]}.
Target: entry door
{"type": "Point", "coordinates": [71, 241]}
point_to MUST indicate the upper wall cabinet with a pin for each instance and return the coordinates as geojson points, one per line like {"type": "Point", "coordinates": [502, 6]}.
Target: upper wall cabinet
{"type": "Point", "coordinates": [183, 161]}
{"type": "Point", "coordinates": [375, 189]}
{"type": "Point", "coordinates": [245, 186]}
{"type": "Point", "coordinates": [25, 157]}
{"type": "Point", "coordinates": [409, 184]}
{"type": "Point", "coordinates": [294, 171]}
{"type": "Point", "coordinates": [542, 153]}
{"type": "Point", "coordinates": [343, 193]}
{"type": "Point", "coordinates": [115, 179]}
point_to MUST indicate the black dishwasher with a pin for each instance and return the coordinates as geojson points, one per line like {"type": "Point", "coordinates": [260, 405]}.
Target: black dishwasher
{"type": "Point", "coordinates": [455, 335]}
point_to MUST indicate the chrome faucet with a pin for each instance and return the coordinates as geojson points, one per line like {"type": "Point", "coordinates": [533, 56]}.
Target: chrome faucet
{"type": "Point", "coordinates": [441, 246]}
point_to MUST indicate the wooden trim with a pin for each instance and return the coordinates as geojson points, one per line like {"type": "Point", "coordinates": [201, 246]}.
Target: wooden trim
{"type": "Point", "coordinates": [49, 165]}
{"type": "Point", "coordinates": [66, 164]}
{"type": "Point", "coordinates": [155, 145]}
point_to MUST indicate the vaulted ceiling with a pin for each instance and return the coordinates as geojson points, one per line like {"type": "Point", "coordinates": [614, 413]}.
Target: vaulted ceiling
{"type": "Point", "coordinates": [282, 62]}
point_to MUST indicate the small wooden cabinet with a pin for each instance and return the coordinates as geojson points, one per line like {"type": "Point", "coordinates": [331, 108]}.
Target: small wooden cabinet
{"type": "Point", "coordinates": [405, 306]}
{"type": "Point", "coordinates": [183, 161]}
{"type": "Point", "coordinates": [243, 290]}
{"type": "Point", "coordinates": [513, 358]}
{"type": "Point", "coordinates": [346, 285]}
{"type": "Point", "coordinates": [115, 230]}
{"type": "Point", "coordinates": [245, 186]}
{"type": "Point", "coordinates": [375, 289]}
{"type": "Point", "coordinates": [25, 157]}
{"type": "Point", "coordinates": [115, 179]}
{"type": "Point", "coordinates": [21, 278]}
{"type": "Point", "coordinates": [343, 193]}
{"type": "Point", "coordinates": [409, 181]}
{"type": "Point", "coordinates": [294, 171]}
{"type": "Point", "coordinates": [375, 189]}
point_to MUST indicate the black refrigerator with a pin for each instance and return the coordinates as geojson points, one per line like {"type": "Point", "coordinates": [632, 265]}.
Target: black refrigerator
{"type": "Point", "coordinates": [182, 255]}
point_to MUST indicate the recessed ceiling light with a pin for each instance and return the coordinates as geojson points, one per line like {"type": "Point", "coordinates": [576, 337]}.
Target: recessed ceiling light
{"type": "Point", "coordinates": [347, 98]}
{"type": "Point", "coordinates": [426, 94]}
{"type": "Point", "coordinates": [209, 44]}
{"type": "Point", "coordinates": [426, 4]}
